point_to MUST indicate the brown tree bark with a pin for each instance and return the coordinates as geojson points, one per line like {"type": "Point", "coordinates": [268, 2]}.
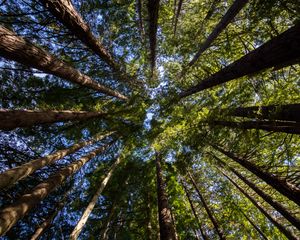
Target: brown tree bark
{"type": "Point", "coordinates": [276, 205]}
{"type": "Point", "coordinates": [11, 119]}
{"type": "Point", "coordinates": [177, 15]}
{"type": "Point", "coordinates": [11, 176]}
{"type": "Point", "coordinates": [281, 51]}
{"type": "Point", "coordinates": [270, 126]}
{"type": "Point", "coordinates": [18, 49]}
{"type": "Point", "coordinates": [166, 226]}
{"type": "Point", "coordinates": [11, 214]}
{"type": "Point", "coordinates": [285, 188]}
{"type": "Point", "coordinates": [234, 9]}
{"type": "Point", "coordinates": [280, 227]}
{"type": "Point", "coordinates": [194, 211]}
{"type": "Point", "coordinates": [140, 19]}
{"type": "Point", "coordinates": [81, 223]}
{"type": "Point", "coordinates": [288, 112]}
{"type": "Point", "coordinates": [208, 211]}
{"type": "Point", "coordinates": [65, 12]}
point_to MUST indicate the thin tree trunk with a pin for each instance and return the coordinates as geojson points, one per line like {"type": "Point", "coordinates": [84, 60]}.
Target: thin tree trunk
{"type": "Point", "coordinates": [283, 50]}
{"type": "Point", "coordinates": [148, 218]}
{"type": "Point", "coordinates": [11, 119]}
{"type": "Point", "coordinates": [14, 212]}
{"type": "Point", "coordinates": [285, 188]}
{"type": "Point", "coordinates": [209, 213]}
{"type": "Point", "coordinates": [235, 8]}
{"type": "Point", "coordinates": [18, 49]}
{"type": "Point", "coordinates": [276, 205]}
{"type": "Point", "coordinates": [153, 7]}
{"type": "Point", "coordinates": [194, 211]}
{"type": "Point", "coordinates": [280, 227]}
{"type": "Point", "coordinates": [11, 176]}
{"type": "Point", "coordinates": [140, 19]}
{"type": "Point", "coordinates": [177, 15]}
{"type": "Point", "coordinates": [81, 223]}
{"type": "Point", "coordinates": [65, 12]}
{"type": "Point", "coordinates": [270, 126]}
{"type": "Point", "coordinates": [104, 234]}
{"type": "Point", "coordinates": [288, 112]}
{"type": "Point", "coordinates": [166, 227]}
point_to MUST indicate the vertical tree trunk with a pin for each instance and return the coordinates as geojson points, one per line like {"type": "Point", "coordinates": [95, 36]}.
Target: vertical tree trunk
{"type": "Point", "coordinates": [194, 211]}
{"type": "Point", "coordinates": [18, 49]}
{"type": "Point", "coordinates": [177, 15]}
{"type": "Point", "coordinates": [283, 50]}
{"type": "Point", "coordinates": [65, 12]}
{"type": "Point", "coordinates": [81, 223]}
{"type": "Point", "coordinates": [11, 176]}
{"type": "Point", "coordinates": [209, 213]}
{"type": "Point", "coordinates": [11, 119]}
{"type": "Point", "coordinates": [288, 112]}
{"type": "Point", "coordinates": [140, 18]}
{"type": "Point", "coordinates": [104, 233]}
{"type": "Point", "coordinates": [286, 189]}
{"type": "Point", "coordinates": [166, 227]}
{"type": "Point", "coordinates": [276, 205]}
{"type": "Point", "coordinates": [235, 8]}
{"type": "Point", "coordinates": [280, 227]}
{"type": "Point", "coordinates": [14, 212]}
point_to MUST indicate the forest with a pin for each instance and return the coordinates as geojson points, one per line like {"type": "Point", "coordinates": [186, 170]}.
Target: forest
{"type": "Point", "coordinates": [150, 119]}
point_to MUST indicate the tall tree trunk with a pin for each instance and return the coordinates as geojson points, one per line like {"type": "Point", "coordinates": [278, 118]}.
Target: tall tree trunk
{"type": "Point", "coordinates": [14, 212]}
{"type": "Point", "coordinates": [235, 8]}
{"type": "Point", "coordinates": [139, 7]}
{"type": "Point", "coordinates": [285, 188]}
{"type": "Point", "coordinates": [288, 112]}
{"type": "Point", "coordinates": [280, 227]}
{"type": "Point", "coordinates": [153, 7]}
{"type": "Point", "coordinates": [177, 15]}
{"type": "Point", "coordinates": [281, 51]}
{"type": "Point", "coordinates": [81, 223]}
{"type": "Point", "coordinates": [11, 119]}
{"type": "Point", "coordinates": [65, 12]}
{"type": "Point", "coordinates": [11, 176]}
{"type": "Point", "coordinates": [209, 213]}
{"type": "Point", "coordinates": [270, 126]}
{"type": "Point", "coordinates": [194, 211]}
{"type": "Point", "coordinates": [276, 205]}
{"type": "Point", "coordinates": [18, 49]}
{"type": "Point", "coordinates": [166, 227]}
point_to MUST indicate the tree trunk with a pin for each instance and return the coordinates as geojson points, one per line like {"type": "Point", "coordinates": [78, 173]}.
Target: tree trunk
{"type": "Point", "coordinates": [140, 18]}
{"type": "Point", "coordinates": [209, 213]}
{"type": "Point", "coordinates": [283, 50]}
{"type": "Point", "coordinates": [289, 112]}
{"type": "Point", "coordinates": [65, 12]}
{"type": "Point", "coordinates": [166, 227]}
{"type": "Point", "coordinates": [11, 176]}
{"type": "Point", "coordinates": [104, 234]}
{"type": "Point", "coordinates": [18, 49]}
{"type": "Point", "coordinates": [276, 205]}
{"type": "Point", "coordinates": [177, 15]}
{"type": "Point", "coordinates": [81, 223]}
{"type": "Point", "coordinates": [285, 188]}
{"type": "Point", "coordinates": [270, 126]}
{"type": "Point", "coordinates": [194, 211]}
{"type": "Point", "coordinates": [14, 212]}
{"type": "Point", "coordinates": [280, 227]}
{"type": "Point", "coordinates": [153, 7]}
{"type": "Point", "coordinates": [235, 8]}
{"type": "Point", "coordinates": [11, 119]}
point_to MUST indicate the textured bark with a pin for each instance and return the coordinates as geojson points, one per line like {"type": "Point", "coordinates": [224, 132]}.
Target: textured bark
{"type": "Point", "coordinates": [166, 226]}
{"type": "Point", "coordinates": [280, 227]}
{"type": "Point", "coordinates": [11, 119]}
{"type": "Point", "coordinates": [140, 19]}
{"type": "Point", "coordinates": [226, 19]}
{"type": "Point", "coordinates": [208, 211]}
{"type": "Point", "coordinates": [81, 223]}
{"type": "Point", "coordinates": [285, 188]}
{"type": "Point", "coordinates": [177, 15]}
{"type": "Point", "coordinates": [194, 211]}
{"type": "Point", "coordinates": [18, 49]}
{"type": "Point", "coordinates": [14, 212]}
{"type": "Point", "coordinates": [153, 7]}
{"type": "Point", "coordinates": [289, 112]}
{"type": "Point", "coordinates": [276, 205]}
{"type": "Point", "coordinates": [65, 12]}
{"type": "Point", "coordinates": [281, 51]}
{"type": "Point", "coordinates": [11, 176]}
{"type": "Point", "coordinates": [270, 126]}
